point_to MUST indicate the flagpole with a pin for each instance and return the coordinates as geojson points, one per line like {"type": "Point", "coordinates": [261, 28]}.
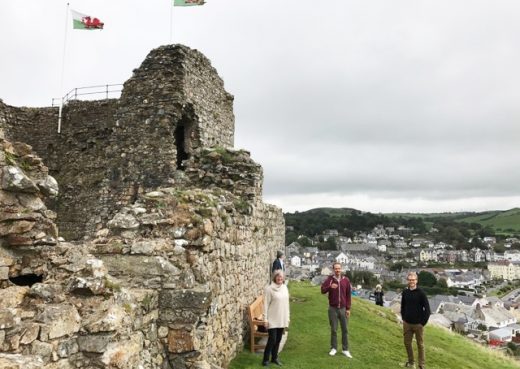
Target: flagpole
{"type": "Point", "coordinates": [63, 66]}
{"type": "Point", "coordinates": [171, 22]}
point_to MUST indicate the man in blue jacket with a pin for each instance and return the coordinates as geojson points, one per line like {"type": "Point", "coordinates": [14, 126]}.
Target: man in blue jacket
{"type": "Point", "coordinates": [339, 290]}
{"type": "Point", "coordinates": [278, 263]}
{"type": "Point", "coordinates": [415, 311]}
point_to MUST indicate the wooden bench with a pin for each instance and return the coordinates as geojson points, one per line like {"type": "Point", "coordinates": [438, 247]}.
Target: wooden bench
{"type": "Point", "coordinates": [256, 316]}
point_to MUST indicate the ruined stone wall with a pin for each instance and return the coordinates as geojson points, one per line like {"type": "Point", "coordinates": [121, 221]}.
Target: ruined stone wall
{"type": "Point", "coordinates": [59, 308]}
{"type": "Point", "coordinates": [76, 157]}
{"type": "Point", "coordinates": [177, 239]}
{"type": "Point", "coordinates": [206, 259]}
{"type": "Point", "coordinates": [34, 126]}
{"type": "Point", "coordinates": [174, 104]}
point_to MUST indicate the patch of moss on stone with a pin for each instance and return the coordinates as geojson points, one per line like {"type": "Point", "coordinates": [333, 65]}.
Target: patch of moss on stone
{"type": "Point", "coordinates": [224, 154]}
{"type": "Point", "coordinates": [241, 205]}
{"type": "Point", "coordinates": [112, 285]}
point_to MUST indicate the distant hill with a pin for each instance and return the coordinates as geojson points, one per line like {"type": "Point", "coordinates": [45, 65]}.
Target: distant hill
{"type": "Point", "coordinates": [507, 221]}
{"type": "Point", "coordinates": [316, 220]}
{"type": "Point", "coordinates": [375, 340]}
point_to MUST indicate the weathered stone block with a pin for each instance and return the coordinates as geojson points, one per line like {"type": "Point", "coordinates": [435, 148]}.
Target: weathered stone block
{"type": "Point", "coordinates": [17, 361]}
{"type": "Point", "coordinates": [4, 273]}
{"type": "Point", "coordinates": [123, 354]}
{"type": "Point", "coordinates": [46, 292]}
{"type": "Point", "coordinates": [16, 227]}
{"type": "Point", "coordinates": [105, 321]}
{"type": "Point", "coordinates": [94, 343]}
{"type": "Point", "coordinates": [61, 319]}
{"type": "Point", "coordinates": [17, 240]}
{"type": "Point", "coordinates": [42, 349]}
{"type": "Point", "coordinates": [6, 260]}
{"type": "Point", "coordinates": [30, 334]}
{"type": "Point", "coordinates": [149, 247]}
{"type": "Point", "coordinates": [180, 340]}
{"type": "Point", "coordinates": [123, 221]}
{"type": "Point", "coordinates": [197, 301]}
{"type": "Point", "coordinates": [31, 202]}
{"type": "Point", "coordinates": [7, 319]}
{"type": "Point", "coordinates": [67, 348]}
{"type": "Point", "coordinates": [48, 186]}
{"type": "Point", "coordinates": [135, 265]}
{"type": "Point", "coordinates": [14, 179]}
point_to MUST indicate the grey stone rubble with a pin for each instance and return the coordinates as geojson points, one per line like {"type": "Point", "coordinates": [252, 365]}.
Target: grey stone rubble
{"type": "Point", "coordinates": [171, 238]}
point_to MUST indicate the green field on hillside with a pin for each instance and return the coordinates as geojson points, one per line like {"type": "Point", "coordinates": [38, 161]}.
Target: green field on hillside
{"type": "Point", "coordinates": [375, 340]}
{"type": "Point", "coordinates": [502, 221]}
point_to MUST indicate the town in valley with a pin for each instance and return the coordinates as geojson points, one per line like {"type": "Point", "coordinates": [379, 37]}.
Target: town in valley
{"type": "Point", "coordinates": [470, 272]}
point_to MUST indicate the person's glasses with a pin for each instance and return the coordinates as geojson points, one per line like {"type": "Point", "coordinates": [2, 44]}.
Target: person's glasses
{"type": "Point", "coordinates": [412, 279]}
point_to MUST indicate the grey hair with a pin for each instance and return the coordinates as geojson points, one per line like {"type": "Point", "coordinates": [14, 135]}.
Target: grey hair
{"type": "Point", "coordinates": [276, 273]}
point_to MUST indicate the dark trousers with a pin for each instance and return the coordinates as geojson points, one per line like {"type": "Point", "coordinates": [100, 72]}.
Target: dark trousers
{"type": "Point", "coordinates": [409, 330]}
{"type": "Point", "coordinates": [273, 343]}
{"type": "Point", "coordinates": [336, 314]}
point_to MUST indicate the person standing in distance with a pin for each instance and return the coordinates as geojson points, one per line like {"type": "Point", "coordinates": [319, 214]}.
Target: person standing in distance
{"type": "Point", "coordinates": [379, 295]}
{"type": "Point", "coordinates": [277, 316]}
{"type": "Point", "coordinates": [415, 312]}
{"type": "Point", "coordinates": [278, 263]}
{"type": "Point", "coordinates": [338, 288]}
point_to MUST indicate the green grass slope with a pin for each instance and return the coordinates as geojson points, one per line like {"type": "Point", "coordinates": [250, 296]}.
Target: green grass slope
{"type": "Point", "coordinates": [499, 220]}
{"type": "Point", "coordinates": [375, 340]}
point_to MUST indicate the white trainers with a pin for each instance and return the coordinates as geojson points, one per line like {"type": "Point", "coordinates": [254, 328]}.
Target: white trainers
{"type": "Point", "coordinates": [347, 354]}
{"type": "Point", "coordinates": [332, 352]}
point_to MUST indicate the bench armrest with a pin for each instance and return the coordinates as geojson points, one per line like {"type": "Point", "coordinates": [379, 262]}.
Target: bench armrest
{"type": "Point", "coordinates": [259, 322]}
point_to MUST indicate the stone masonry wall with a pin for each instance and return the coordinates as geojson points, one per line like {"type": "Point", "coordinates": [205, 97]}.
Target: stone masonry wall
{"type": "Point", "coordinates": [206, 259]}
{"type": "Point", "coordinates": [176, 240]}
{"type": "Point", "coordinates": [111, 150]}
{"type": "Point", "coordinates": [76, 157]}
{"type": "Point", "coordinates": [166, 285]}
{"type": "Point", "coordinates": [59, 308]}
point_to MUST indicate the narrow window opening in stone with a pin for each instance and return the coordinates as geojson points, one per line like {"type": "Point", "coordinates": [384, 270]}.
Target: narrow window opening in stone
{"type": "Point", "coordinates": [82, 292]}
{"type": "Point", "coordinates": [180, 144]}
{"type": "Point", "coordinates": [26, 279]}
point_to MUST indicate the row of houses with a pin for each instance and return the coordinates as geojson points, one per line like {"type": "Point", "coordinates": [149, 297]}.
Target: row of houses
{"type": "Point", "coordinates": [485, 316]}
{"type": "Point", "coordinates": [504, 269]}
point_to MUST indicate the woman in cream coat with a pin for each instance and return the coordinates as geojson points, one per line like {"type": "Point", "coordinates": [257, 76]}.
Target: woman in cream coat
{"type": "Point", "coordinates": [276, 309]}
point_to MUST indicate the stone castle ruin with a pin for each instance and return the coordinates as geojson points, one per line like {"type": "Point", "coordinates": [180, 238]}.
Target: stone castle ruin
{"type": "Point", "coordinates": [168, 239]}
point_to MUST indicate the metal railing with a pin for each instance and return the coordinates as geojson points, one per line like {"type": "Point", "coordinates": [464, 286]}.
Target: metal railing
{"type": "Point", "coordinates": [108, 91]}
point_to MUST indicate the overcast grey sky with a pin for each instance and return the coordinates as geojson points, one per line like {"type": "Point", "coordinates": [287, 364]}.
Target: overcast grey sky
{"type": "Point", "coordinates": [376, 105]}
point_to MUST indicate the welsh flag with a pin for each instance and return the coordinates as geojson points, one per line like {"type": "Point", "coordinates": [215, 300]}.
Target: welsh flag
{"type": "Point", "coordinates": [188, 2]}
{"type": "Point", "coordinates": [83, 21]}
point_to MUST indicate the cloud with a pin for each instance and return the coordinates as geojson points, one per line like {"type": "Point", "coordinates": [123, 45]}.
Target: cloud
{"type": "Point", "coordinates": [400, 104]}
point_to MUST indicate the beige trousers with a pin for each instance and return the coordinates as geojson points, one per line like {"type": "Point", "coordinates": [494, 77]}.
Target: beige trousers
{"type": "Point", "coordinates": [408, 331]}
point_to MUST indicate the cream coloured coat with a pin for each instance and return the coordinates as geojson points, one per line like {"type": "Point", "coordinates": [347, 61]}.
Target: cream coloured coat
{"type": "Point", "coordinates": [276, 305]}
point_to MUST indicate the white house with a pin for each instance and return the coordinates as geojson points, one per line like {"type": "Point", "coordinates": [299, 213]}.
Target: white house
{"type": "Point", "coordinates": [342, 258]}
{"type": "Point", "coordinates": [512, 255]}
{"type": "Point", "coordinates": [367, 263]}
{"type": "Point", "coordinates": [428, 255]}
{"type": "Point", "coordinates": [506, 270]}
{"type": "Point", "coordinates": [501, 334]}
{"type": "Point", "coordinates": [296, 261]}
{"type": "Point", "coordinates": [381, 248]}
{"type": "Point", "coordinates": [496, 316]}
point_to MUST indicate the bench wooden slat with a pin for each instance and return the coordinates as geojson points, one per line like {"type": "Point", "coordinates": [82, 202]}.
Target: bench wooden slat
{"type": "Point", "coordinates": [256, 316]}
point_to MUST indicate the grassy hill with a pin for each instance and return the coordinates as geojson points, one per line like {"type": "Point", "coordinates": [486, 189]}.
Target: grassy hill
{"type": "Point", "coordinates": [502, 221]}
{"type": "Point", "coordinates": [375, 340]}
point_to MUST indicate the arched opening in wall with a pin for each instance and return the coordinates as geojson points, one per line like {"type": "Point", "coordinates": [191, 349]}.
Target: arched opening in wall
{"type": "Point", "coordinates": [183, 136]}
{"type": "Point", "coordinates": [180, 144]}
{"type": "Point", "coordinates": [26, 279]}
